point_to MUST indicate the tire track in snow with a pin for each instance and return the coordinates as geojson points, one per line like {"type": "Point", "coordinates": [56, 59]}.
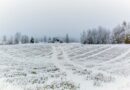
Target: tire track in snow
{"type": "Point", "coordinates": [114, 59]}
{"type": "Point", "coordinates": [95, 54]}
{"type": "Point", "coordinates": [70, 76]}
{"type": "Point", "coordinates": [81, 79]}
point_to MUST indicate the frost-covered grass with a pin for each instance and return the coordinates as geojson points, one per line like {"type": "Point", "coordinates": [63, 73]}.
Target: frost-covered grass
{"type": "Point", "coordinates": [65, 67]}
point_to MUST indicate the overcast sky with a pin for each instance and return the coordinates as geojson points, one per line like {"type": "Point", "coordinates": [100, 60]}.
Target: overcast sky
{"type": "Point", "coordinates": [57, 17]}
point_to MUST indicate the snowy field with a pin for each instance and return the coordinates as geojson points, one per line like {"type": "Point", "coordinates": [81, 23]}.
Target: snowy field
{"type": "Point", "coordinates": [65, 67]}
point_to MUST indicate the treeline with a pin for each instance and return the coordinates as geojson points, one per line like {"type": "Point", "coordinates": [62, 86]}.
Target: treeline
{"type": "Point", "coordinates": [18, 38]}
{"type": "Point", "coordinates": [120, 34]}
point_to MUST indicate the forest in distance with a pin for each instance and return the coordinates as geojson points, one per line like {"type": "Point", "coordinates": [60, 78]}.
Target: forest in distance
{"type": "Point", "coordinates": [119, 35]}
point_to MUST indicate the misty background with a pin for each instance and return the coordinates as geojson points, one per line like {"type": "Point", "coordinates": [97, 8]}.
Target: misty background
{"type": "Point", "coordinates": [58, 17]}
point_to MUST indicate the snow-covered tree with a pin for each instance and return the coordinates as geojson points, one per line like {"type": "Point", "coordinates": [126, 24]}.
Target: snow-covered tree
{"type": "Point", "coordinates": [118, 34]}
{"type": "Point", "coordinates": [24, 39]}
{"type": "Point", "coordinates": [17, 38]}
{"type": "Point", "coordinates": [4, 41]}
{"type": "Point", "coordinates": [103, 36]}
{"type": "Point", "coordinates": [67, 38]}
{"type": "Point", "coordinates": [11, 41]}
{"type": "Point", "coordinates": [96, 36]}
{"type": "Point", "coordinates": [45, 39]}
{"type": "Point", "coordinates": [83, 38]}
{"type": "Point", "coordinates": [36, 40]}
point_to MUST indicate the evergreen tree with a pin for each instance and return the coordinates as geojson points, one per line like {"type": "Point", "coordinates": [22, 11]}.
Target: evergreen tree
{"type": "Point", "coordinates": [32, 40]}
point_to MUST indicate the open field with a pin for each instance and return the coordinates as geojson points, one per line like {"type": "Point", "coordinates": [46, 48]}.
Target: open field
{"type": "Point", "coordinates": [65, 67]}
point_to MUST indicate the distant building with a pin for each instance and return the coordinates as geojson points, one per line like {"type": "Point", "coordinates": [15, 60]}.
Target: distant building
{"type": "Point", "coordinates": [57, 40]}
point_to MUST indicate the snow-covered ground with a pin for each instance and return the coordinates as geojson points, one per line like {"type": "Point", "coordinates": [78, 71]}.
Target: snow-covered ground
{"type": "Point", "coordinates": [65, 67]}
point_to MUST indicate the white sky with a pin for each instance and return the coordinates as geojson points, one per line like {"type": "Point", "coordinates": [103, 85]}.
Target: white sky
{"type": "Point", "coordinates": [57, 17]}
